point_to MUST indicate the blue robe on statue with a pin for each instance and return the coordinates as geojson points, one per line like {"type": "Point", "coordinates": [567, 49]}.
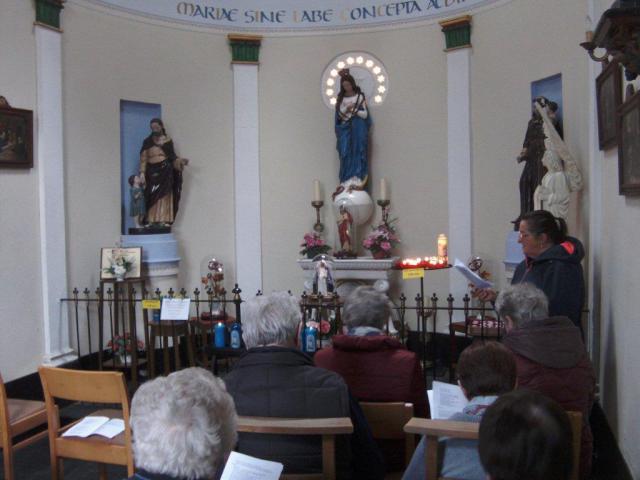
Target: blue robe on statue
{"type": "Point", "coordinates": [352, 137]}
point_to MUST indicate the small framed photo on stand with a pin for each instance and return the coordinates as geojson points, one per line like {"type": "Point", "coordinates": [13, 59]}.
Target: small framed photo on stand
{"type": "Point", "coordinates": [609, 98]}
{"type": "Point", "coordinates": [120, 263]}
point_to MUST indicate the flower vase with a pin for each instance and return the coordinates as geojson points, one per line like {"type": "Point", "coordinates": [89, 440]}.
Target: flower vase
{"type": "Point", "coordinates": [381, 254]}
{"type": "Point", "coordinates": [120, 278]}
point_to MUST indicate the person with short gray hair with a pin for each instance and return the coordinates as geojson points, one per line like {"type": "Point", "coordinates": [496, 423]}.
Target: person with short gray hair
{"type": "Point", "coordinates": [275, 379]}
{"type": "Point", "coordinates": [271, 320]}
{"type": "Point", "coordinates": [377, 367]}
{"type": "Point", "coordinates": [522, 303]}
{"type": "Point", "coordinates": [183, 426]}
{"type": "Point", "coordinates": [366, 308]}
{"type": "Point", "coordinates": [550, 356]}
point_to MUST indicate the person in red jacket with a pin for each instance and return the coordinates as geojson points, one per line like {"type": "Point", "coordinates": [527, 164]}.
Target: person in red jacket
{"type": "Point", "coordinates": [550, 356]}
{"type": "Point", "coordinates": [376, 367]}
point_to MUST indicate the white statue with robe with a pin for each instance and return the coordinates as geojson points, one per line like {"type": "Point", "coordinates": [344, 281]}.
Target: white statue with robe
{"type": "Point", "coordinates": [563, 175]}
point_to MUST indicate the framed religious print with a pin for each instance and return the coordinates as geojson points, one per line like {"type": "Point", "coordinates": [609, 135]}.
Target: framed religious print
{"type": "Point", "coordinates": [609, 98]}
{"type": "Point", "coordinates": [120, 263]}
{"type": "Point", "coordinates": [629, 146]}
{"type": "Point", "coordinates": [16, 138]}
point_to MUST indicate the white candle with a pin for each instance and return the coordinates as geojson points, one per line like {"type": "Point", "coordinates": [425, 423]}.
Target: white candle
{"type": "Point", "coordinates": [443, 244]}
{"type": "Point", "coordinates": [384, 195]}
{"type": "Point", "coordinates": [316, 191]}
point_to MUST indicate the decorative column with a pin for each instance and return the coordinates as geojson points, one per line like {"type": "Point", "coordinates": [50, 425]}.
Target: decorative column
{"type": "Point", "coordinates": [50, 167]}
{"type": "Point", "coordinates": [245, 50]}
{"type": "Point", "coordinates": [457, 33]}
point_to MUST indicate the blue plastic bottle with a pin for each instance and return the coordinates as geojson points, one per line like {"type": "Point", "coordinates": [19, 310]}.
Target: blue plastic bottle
{"type": "Point", "coordinates": [236, 335]}
{"type": "Point", "coordinates": [310, 336]}
{"type": "Point", "coordinates": [220, 332]}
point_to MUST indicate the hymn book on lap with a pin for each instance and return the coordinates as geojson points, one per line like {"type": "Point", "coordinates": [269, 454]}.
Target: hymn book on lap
{"type": "Point", "coordinates": [445, 400]}
{"type": "Point", "coordinates": [105, 426]}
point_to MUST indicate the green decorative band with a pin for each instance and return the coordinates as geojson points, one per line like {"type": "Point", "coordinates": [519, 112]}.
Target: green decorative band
{"type": "Point", "coordinates": [48, 12]}
{"type": "Point", "coordinates": [245, 48]}
{"type": "Point", "coordinates": [457, 32]}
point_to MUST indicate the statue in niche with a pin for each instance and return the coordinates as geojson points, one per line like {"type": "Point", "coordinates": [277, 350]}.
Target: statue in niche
{"type": "Point", "coordinates": [161, 175]}
{"type": "Point", "coordinates": [563, 175]}
{"type": "Point", "coordinates": [352, 122]}
{"type": "Point", "coordinates": [533, 149]}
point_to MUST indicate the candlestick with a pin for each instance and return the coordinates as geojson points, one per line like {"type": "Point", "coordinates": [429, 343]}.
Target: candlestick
{"type": "Point", "coordinates": [384, 206]}
{"type": "Point", "coordinates": [316, 191]}
{"type": "Point", "coordinates": [317, 204]}
{"type": "Point", "coordinates": [384, 195]}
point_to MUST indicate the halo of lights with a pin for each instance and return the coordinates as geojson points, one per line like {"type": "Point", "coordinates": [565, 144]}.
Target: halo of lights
{"type": "Point", "coordinates": [369, 72]}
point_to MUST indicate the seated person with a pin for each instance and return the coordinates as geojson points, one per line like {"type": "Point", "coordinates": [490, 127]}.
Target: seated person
{"type": "Point", "coordinates": [183, 426]}
{"type": "Point", "coordinates": [525, 435]}
{"type": "Point", "coordinates": [550, 356]}
{"type": "Point", "coordinates": [275, 379]}
{"type": "Point", "coordinates": [485, 371]}
{"type": "Point", "coordinates": [376, 367]}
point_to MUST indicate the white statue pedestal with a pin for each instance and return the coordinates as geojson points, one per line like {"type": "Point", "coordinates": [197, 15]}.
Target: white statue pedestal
{"type": "Point", "coordinates": [350, 273]}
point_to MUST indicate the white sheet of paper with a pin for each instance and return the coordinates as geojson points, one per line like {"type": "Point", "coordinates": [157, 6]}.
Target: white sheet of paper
{"type": "Point", "coordinates": [473, 277]}
{"type": "Point", "coordinates": [448, 400]}
{"type": "Point", "coordinates": [175, 309]}
{"type": "Point", "coordinates": [113, 427]}
{"type": "Point", "coordinates": [244, 467]}
{"type": "Point", "coordinates": [433, 408]}
{"type": "Point", "coordinates": [86, 427]}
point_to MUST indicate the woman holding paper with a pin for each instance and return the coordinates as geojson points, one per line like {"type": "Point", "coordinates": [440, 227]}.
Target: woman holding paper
{"type": "Point", "coordinates": [552, 263]}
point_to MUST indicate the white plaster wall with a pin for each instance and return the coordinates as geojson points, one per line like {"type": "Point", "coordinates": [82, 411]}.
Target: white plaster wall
{"type": "Point", "coordinates": [514, 45]}
{"type": "Point", "coordinates": [22, 341]}
{"type": "Point", "coordinates": [408, 144]}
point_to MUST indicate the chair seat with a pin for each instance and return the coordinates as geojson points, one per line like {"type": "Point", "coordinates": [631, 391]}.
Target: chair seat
{"type": "Point", "coordinates": [21, 409]}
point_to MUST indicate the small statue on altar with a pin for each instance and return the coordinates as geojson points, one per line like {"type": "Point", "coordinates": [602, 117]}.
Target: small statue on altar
{"type": "Point", "coordinates": [137, 207]}
{"type": "Point", "coordinates": [323, 279]}
{"type": "Point", "coordinates": [352, 123]}
{"type": "Point", "coordinates": [345, 226]}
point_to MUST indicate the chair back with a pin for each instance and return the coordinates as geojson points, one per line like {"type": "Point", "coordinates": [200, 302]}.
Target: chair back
{"type": "Point", "coordinates": [328, 428]}
{"type": "Point", "coordinates": [387, 421]}
{"type": "Point", "coordinates": [92, 387]}
{"type": "Point", "coordinates": [575, 418]}
{"type": "Point", "coordinates": [4, 415]}
{"type": "Point", "coordinates": [434, 429]}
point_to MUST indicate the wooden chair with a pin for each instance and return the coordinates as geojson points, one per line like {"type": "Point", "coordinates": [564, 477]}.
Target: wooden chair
{"type": "Point", "coordinates": [328, 428]}
{"type": "Point", "coordinates": [94, 387]}
{"type": "Point", "coordinates": [433, 429]}
{"type": "Point", "coordinates": [387, 421]}
{"type": "Point", "coordinates": [18, 417]}
{"type": "Point", "coordinates": [576, 429]}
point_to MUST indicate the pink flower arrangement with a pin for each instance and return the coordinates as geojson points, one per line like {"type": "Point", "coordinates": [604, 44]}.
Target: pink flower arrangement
{"type": "Point", "coordinates": [124, 343]}
{"type": "Point", "coordinates": [313, 245]}
{"type": "Point", "coordinates": [381, 240]}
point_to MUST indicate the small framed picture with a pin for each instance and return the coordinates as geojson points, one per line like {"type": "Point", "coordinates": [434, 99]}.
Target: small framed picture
{"type": "Point", "coordinates": [609, 98]}
{"type": "Point", "coordinates": [120, 263]}
{"type": "Point", "coordinates": [16, 138]}
{"type": "Point", "coordinates": [629, 147]}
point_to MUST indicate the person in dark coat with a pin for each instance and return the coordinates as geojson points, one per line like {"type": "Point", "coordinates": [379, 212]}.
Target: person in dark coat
{"type": "Point", "coordinates": [550, 356]}
{"type": "Point", "coordinates": [275, 379]}
{"type": "Point", "coordinates": [552, 263]}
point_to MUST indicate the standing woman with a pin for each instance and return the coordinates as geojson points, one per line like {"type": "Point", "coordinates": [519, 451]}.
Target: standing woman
{"type": "Point", "coordinates": [552, 263]}
{"type": "Point", "coordinates": [352, 122]}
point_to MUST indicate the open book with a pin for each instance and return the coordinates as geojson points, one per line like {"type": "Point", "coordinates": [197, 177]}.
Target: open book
{"type": "Point", "coordinates": [445, 400]}
{"type": "Point", "coordinates": [105, 426]}
{"type": "Point", "coordinates": [244, 467]}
